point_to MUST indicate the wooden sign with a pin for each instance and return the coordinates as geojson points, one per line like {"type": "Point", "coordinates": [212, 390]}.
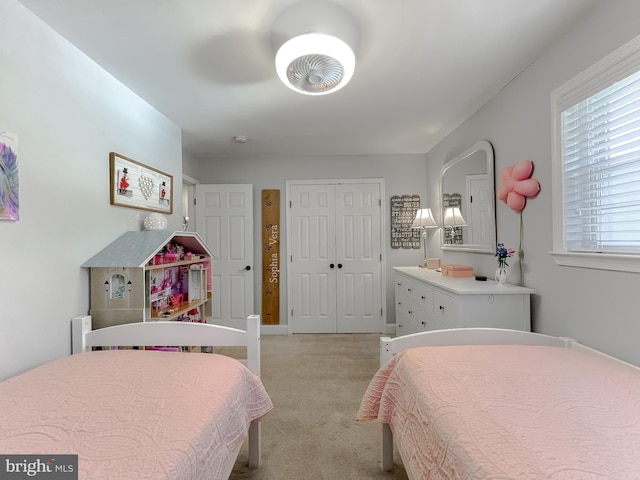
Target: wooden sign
{"type": "Point", "coordinates": [403, 213]}
{"type": "Point", "coordinates": [270, 257]}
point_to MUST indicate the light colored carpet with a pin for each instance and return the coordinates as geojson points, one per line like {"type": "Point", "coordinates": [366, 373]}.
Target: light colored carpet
{"type": "Point", "coordinates": [316, 383]}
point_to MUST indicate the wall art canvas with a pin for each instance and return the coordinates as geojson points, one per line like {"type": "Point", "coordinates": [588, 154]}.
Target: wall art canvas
{"type": "Point", "coordinates": [136, 185]}
{"type": "Point", "coordinates": [9, 204]}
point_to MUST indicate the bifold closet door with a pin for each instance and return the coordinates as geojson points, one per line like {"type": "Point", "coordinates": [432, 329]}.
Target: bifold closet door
{"type": "Point", "coordinates": [335, 269]}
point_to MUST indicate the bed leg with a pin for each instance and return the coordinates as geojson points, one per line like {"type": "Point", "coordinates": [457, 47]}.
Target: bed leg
{"type": "Point", "coordinates": [387, 448]}
{"type": "Point", "coordinates": [254, 444]}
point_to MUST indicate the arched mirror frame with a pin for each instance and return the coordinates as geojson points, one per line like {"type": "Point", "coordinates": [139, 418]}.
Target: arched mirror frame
{"type": "Point", "coordinates": [489, 228]}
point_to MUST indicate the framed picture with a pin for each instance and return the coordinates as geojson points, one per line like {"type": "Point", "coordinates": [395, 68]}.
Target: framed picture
{"type": "Point", "coordinates": [136, 185]}
{"type": "Point", "coordinates": [9, 204]}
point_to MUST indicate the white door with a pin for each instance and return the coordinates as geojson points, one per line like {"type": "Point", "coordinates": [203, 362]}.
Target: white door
{"type": "Point", "coordinates": [335, 269]}
{"type": "Point", "coordinates": [224, 220]}
{"type": "Point", "coordinates": [359, 258]}
{"type": "Point", "coordinates": [312, 268]}
{"type": "Point", "coordinates": [479, 198]}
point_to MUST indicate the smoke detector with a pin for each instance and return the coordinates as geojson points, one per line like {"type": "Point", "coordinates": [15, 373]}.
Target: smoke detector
{"type": "Point", "coordinates": [315, 64]}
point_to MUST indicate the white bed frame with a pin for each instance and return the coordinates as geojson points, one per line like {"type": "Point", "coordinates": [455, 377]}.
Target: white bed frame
{"type": "Point", "coordinates": [464, 336]}
{"type": "Point", "coordinates": [179, 334]}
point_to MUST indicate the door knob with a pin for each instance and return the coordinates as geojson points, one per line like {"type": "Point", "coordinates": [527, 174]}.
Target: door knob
{"type": "Point", "coordinates": [247, 268]}
{"type": "Point", "coordinates": [339, 265]}
{"type": "Point", "coordinates": [331, 265]}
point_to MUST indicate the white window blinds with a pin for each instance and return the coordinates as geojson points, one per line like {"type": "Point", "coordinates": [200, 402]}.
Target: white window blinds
{"type": "Point", "coordinates": [601, 170]}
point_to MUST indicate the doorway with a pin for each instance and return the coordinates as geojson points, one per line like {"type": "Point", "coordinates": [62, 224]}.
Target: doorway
{"type": "Point", "coordinates": [224, 220]}
{"type": "Point", "coordinates": [479, 199]}
{"type": "Point", "coordinates": [336, 269]}
{"type": "Point", "coordinates": [188, 203]}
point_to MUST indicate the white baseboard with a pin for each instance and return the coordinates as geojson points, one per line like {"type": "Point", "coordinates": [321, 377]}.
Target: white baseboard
{"type": "Point", "coordinates": [284, 329]}
{"type": "Point", "coordinates": [264, 329]}
{"type": "Point", "coordinates": [274, 329]}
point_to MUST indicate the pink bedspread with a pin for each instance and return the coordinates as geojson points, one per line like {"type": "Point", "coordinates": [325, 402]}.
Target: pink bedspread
{"type": "Point", "coordinates": [510, 412]}
{"type": "Point", "coordinates": [133, 414]}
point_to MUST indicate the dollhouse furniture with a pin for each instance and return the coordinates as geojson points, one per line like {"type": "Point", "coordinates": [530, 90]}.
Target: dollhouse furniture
{"type": "Point", "coordinates": [497, 403]}
{"type": "Point", "coordinates": [427, 300]}
{"type": "Point", "coordinates": [144, 414]}
{"type": "Point", "coordinates": [150, 275]}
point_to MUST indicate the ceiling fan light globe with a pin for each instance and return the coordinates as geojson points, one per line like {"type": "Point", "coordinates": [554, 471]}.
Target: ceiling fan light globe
{"type": "Point", "coordinates": [315, 64]}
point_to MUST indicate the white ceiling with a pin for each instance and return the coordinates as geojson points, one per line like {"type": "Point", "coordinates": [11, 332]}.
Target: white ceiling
{"type": "Point", "coordinates": [422, 66]}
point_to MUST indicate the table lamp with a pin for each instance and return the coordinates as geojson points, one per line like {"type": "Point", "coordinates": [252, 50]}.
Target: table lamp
{"type": "Point", "coordinates": [424, 219]}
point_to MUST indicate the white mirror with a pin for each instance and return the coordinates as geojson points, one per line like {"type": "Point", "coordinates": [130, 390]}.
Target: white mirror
{"type": "Point", "coordinates": [467, 184]}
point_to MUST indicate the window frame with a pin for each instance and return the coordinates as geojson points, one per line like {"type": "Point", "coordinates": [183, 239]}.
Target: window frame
{"type": "Point", "coordinates": [616, 66]}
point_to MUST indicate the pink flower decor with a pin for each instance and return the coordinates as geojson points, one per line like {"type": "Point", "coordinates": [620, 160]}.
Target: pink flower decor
{"type": "Point", "coordinates": [517, 185]}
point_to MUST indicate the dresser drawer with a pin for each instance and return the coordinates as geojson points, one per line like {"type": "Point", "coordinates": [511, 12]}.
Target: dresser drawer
{"type": "Point", "coordinates": [447, 310]}
{"type": "Point", "coordinates": [409, 317]}
{"type": "Point", "coordinates": [401, 288]}
{"type": "Point", "coordinates": [432, 322]}
{"type": "Point", "coordinates": [418, 292]}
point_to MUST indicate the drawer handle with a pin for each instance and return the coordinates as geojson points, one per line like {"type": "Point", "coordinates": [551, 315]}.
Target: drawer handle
{"type": "Point", "coordinates": [441, 307]}
{"type": "Point", "coordinates": [423, 297]}
{"type": "Point", "coordinates": [410, 312]}
{"type": "Point", "coordinates": [423, 323]}
{"type": "Point", "coordinates": [408, 289]}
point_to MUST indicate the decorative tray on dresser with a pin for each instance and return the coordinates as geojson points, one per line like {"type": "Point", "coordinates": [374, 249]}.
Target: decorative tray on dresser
{"type": "Point", "coordinates": [427, 300]}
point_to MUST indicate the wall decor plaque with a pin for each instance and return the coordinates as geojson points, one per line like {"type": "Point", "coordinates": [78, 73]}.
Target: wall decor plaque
{"type": "Point", "coordinates": [403, 213]}
{"type": "Point", "coordinates": [452, 235]}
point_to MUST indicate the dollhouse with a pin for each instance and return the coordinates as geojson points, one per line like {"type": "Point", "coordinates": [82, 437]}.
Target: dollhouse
{"type": "Point", "coordinates": [151, 275]}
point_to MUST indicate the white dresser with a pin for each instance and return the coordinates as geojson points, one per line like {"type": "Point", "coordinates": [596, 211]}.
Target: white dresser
{"type": "Point", "coordinates": [427, 300]}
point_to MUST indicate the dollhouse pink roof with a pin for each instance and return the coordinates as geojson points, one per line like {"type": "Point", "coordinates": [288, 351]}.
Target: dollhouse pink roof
{"type": "Point", "coordinates": [136, 248]}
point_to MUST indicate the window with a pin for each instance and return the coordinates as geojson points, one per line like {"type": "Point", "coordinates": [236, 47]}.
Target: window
{"type": "Point", "coordinates": [596, 164]}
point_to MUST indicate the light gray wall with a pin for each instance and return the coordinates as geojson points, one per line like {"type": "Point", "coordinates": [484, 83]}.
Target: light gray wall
{"type": "Point", "coordinates": [190, 165]}
{"type": "Point", "coordinates": [403, 174]}
{"type": "Point", "coordinates": [599, 308]}
{"type": "Point", "coordinates": [69, 114]}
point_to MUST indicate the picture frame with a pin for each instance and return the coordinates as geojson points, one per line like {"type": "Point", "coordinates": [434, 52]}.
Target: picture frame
{"type": "Point", "coordinates": [9, 183]}
{"type": "Point", "coordinates": [136, 185]}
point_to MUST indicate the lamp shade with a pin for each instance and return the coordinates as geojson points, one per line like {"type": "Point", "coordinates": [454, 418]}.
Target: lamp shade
{"type": "Point", "coordinates": [424, 218]}
{"type": "Point", "coordinates": [453, 217]}
{"type": "Point", "coordinates": [315, 63]}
